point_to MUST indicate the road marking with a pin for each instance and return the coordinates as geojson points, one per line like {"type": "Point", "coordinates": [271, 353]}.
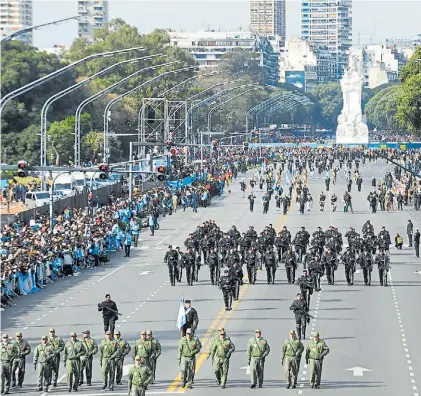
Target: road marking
{"type": "Point", "coordinates": [247, 368]}
{"type": "Point", "coordinates": [358, 371]}
{"type": "Point", "coordinates": [143, 273]}
{"type": "Point", "coordinates": [218, 320]}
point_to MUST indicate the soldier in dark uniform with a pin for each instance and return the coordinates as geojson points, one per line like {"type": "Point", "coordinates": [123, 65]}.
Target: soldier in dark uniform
{"type": "Point", "coordinates": [300, 310]}
{"type": "Point", "coordinates": [190, 263]}
{"type": "Point", "coordinates": [226, 285]}
{"type": "Point", "coordinates": [306, 287]}
{"type": "Point", "coordinates": [383, 264]}
{"type": "Point", "coordinates": [180, 263]}
{"type": "Point", "coordinates": [290, 261]}
{"type": "Point", "coordinates": [192, 319]}
{"type": "Point", "coordinates": [365, 260]}
{"type": "Point", "coordinates": [236, 273]}
{"type": "Point", "coordinates": [213, 262]}
{"type": "Point", "coordinates": [329, 262]}
{"type": "Point", "coordinates": [109, 313]}
{"type": "Point", "coordinates": [348, 258]}
{"type": "Point", "coordinates": [171, 258]}
{"type": "Point", "coordinates": [251, 259]}
{"type": "Point", "coordinates": [270, 263]}
{"type": "Point", "coordinates": [316, 271]}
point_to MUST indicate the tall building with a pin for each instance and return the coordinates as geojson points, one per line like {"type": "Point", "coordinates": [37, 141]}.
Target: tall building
{"type": "Point", "coordinates": [16, 15]}
{"type": "Point", "coordinates": [267, 18]}
{"type": "Point", "coordinates": [94, 15]}
{"type": "Point", "coordinates": [328, 23]}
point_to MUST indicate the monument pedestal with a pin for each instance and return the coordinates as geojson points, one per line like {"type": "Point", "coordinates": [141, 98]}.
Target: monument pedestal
{"type": "Point", "coordinates": [352, 134]}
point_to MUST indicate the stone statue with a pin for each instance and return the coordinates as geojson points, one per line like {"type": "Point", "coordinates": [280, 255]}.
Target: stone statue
{"type": "Point", "coordinates": [351, 123]}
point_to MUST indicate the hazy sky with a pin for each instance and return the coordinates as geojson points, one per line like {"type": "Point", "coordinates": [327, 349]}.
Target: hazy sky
{"type": "Point", "coordinates": [375, 20]}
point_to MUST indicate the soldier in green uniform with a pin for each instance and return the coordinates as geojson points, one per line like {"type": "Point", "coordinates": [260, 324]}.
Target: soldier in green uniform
{"type": "Point", "coordinates": [144, 349]}
{"type": "Point", "coordinates": [220, 352]}
{"type": "Point", "coordinates": [43, 356]}
{"type": "Point", "coordinates": [188, 348]}
{"type": "Point", "coordinates": [156, 352]}
{"type": "Point", "coordinates": [292, 350]}
{"type": "Point", "coordinates": [108, 351]}
{"type": "Point", "coordinates": [58, 345]}
{"type": "Point", "coordinates": [73, 351]}
{"type": "Point", "coordinates": [124, 348]}
{"type": "Point", "coordinates": [315, 352]}
{"type": "Point", "coordinates": [139, 377]}
{"type": "Point", "coordinates": [9, 351]}
{"type": "Point", "coordinates": [257, 350]}
{"type": "Point", "coordinates": [19, 362]}
{"type": "Point", "coordinates": [91, 348]}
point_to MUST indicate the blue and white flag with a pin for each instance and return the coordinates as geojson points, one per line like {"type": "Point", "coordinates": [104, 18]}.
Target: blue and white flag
{"type": "Point", "coordinates": [181, 318]}
{"type": "Point", "coordinates": [26, 283]}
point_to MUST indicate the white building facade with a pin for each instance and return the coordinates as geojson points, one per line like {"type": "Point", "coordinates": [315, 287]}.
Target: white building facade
{"type": "Point", "coordinates": [16, 15]}
{"type": "Point", "coordinates": [94, 15]}
{"type": "Point", "coordinates": [328, 23]}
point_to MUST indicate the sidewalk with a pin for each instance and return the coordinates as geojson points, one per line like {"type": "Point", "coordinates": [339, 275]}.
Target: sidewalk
{"type": "Point", "coordinates": [15, 207]}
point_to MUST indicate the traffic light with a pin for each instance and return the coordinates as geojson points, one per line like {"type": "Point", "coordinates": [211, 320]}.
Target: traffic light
{"type": "Point", "coordinates": [214, 145]}
{"type": "Point", "coordinates": [245, 146]}
{"type": "Point", "coordinates": [161, 173]}
{"type": "Point", "coordinates": [103, 171]}
{"type": "Point", "coordinates": [22, 169]}
{"type": "Point", "coordinates": [173, 151]}
{"type": "Point", "coordinates": [169, 145]}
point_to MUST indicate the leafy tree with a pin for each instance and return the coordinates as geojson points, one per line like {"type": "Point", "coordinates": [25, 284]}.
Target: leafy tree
{"type": "Point", "coordinates": [330, 103]}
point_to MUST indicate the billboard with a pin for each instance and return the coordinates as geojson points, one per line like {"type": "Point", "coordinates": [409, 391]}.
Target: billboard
{"type": "Point", "coordinates": [297, 78]}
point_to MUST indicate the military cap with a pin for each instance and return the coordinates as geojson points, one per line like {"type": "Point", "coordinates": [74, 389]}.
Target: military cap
{"type": "Point", "coordinates": [148, 332]}
{"type": "Point", "coordinates": [257, 331]}
{"type": "Point", "coordinates": [292, 332]}
{"type": "Point", "coordinates": [189, 331]}
{"type": "Point", "coordinates": [44, 337]}
{"type": "Point", "coordinates": [52, 330]}
{"type": "Point", "coordinates": [316, 334]}
{"type": "Point", "coordinates": [18, 334]}
{"type": "Point", "coordinates": [109, 333]}
{"type": "Point", "coordinates": [143, 332]}
{"type": "Point", "coordinates": [187, 301]}
{"type": "Point", "coordinates": [86, 332]}
{"type": "Point", "coordinates": [4, 336]}
{"type": "Point", "coordinates": [72, 334]}
{"type": "Point", "coordinates": [220, 328]}
{"type": "Point", "coordinates": [138, 357]}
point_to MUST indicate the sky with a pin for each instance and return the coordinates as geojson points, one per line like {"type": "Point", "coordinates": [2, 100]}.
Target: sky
{"type": "Point", "coordinates": [373, 21]}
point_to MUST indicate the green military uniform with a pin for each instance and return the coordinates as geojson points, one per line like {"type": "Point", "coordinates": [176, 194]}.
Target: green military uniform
{"type": "Point", "coordinates": [43, 357]}
{"type": "Point", "coordinates": [19, 361]}
{"type": "Point", "coordinates": [257, 350]}
{"type": "Point", "coordinates": [139, 379]}
{"type": "Point", "coordinates": [156, 354]}
{"type": "Point", "coordinates": [91, 348]}
{"type": "Point", "coordinates": [9, 351]}
{"type": "Point", "coordinates": [58, 345]}
{"type": "Point", "coordinates": [220, 352]}
{"type": "Point", "coordinates": [73, 351]}
{"type": "Point", "coordinates": [315, 353]}
{"type": "Point", "coordinates": [124, 349]}
{"type": "Point", "coordinates": [290, 356]}
{"type": "Point", "coordinates": [144, 349]}
{"type": "Point", "coordinates": [108, 351]}
{"type": "Point", "coordinates": [186, 356]}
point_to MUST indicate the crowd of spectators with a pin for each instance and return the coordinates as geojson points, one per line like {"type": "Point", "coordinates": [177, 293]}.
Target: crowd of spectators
{"type": "Point", "coordinates": [389, 136]}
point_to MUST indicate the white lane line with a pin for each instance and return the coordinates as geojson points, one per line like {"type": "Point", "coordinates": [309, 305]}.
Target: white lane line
{"type": "Point", "coordinates": [401, 326]}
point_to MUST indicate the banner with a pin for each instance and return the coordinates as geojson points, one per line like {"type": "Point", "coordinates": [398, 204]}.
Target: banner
{"type": "Point", "coordinates": [26, 283]}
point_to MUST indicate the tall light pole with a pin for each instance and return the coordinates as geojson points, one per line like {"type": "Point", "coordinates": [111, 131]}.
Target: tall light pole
{"type": "Point", "coordinates": [68, 90]}
{"type": "Point", "coordinates": [102, 93]}
{"type": "Point", "coordinates": [120, 97]}
{"type": "Point", "coordinates": [11, 95]}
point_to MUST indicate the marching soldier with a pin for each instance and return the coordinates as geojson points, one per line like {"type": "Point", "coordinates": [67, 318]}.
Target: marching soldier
{"type": "Point", "coordinates": [58, 345]}
{"type": "Point", "coordinates": [300, 309]}
{"type": "Point", "coordinates": [73, 351]}
{"type": "Point", "coordinates": [292, 350]}
{"type": "Point", "coordinates": [315, 352]}
{"type": "Point", "coordinates": [109, 313]}
{"type": "Point", "coordinates": [156, 346]}
{"type": "Point", "coordinates": [9, 350]}
{"type": "Point", "coordinates": [270, 263]}
{"type": "Point", "coordinates": [220, 352]}
{"type": "Point", "coordinates": [383, 264]}
{"type": "Point", "coordinates": [171, 259]}
{"type": "Point", "coordinates": [44, 354]}
{"type": "Point", "coordinates": [140, 376]}
{"type": "Point", "coordinates": [226, 285]}
{"type": "Point", "coordinates": [19, 361]}
{"type": "Point", "coordinates": [192, 319]}
{"type": "Point", "coordinates": [91, 348]}
{"type": "Point", "coordinates": [124, 349]}
{"type": "Point", "coordinates": [251, 259]}
{"type": "Point", "coordinates": [188, 348]}
{"type": "Point", "coordinates": [213, 262]}
{"type": "Point", "coordinates": [257, 350]}
{"type": "Point", "coordinates": [144, 349]}
{"type": "Point", "coordinates": [108, 351]}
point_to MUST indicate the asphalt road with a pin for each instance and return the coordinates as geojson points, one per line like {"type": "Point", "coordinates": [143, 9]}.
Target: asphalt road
{"type": "Point", "coordinates": [366, 328]}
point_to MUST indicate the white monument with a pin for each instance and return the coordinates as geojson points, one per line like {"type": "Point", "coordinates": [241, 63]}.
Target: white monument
{"type": "Point", "coordinates": [351, 123]}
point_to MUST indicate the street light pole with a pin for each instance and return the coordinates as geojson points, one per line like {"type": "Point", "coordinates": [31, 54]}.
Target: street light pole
{"type": "Point", "coordinates": [101, 93]}
{"type": "Point", "coordinates": [68, 90]}
{"type": "Point", "coordinates": [52, 198]}
{"type": "Point", "coordinates": [118, 98]}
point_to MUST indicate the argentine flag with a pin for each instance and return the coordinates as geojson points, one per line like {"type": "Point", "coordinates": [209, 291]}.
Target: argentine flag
{"type": "Point", "coordinates": [181, 318]}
